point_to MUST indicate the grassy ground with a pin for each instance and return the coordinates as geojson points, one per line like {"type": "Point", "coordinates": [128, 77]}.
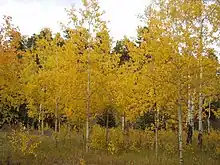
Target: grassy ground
{"type": "Point", "coordinates": [70, 151]}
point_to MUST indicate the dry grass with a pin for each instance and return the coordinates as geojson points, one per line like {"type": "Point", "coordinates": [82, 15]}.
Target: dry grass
{"type": "Point", "coordinates": [70, 151]}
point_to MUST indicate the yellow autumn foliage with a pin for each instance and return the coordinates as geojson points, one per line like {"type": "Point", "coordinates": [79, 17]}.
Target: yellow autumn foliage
{"type": "Point", "coordinates": [22, 141]}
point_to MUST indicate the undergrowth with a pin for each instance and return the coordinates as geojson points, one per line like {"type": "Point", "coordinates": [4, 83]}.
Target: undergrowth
{"type": "Point", "coordinates": [131, 148]}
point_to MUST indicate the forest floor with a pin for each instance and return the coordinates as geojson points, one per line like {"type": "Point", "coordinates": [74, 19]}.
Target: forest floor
{"type": "Point", "coordinates": [71, 151]}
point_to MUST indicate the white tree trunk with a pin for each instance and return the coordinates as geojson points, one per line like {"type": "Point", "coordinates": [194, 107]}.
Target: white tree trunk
{"type": "Point", "coordinates": [123, 122]}
{"type": "Point", "coordinates": [39, 119]}
{"type": "Point", "coordinates": [156, 130]}
{"type": "Point", "coordinates": [189, 107]}
{"type": "Point", "coordinates": [180, 134]}
{"type": "Point", "coordinates": [56, 117]}
{"type": "Point", "coordinates": [56, 122]}
{"type": "Point", "coordinates": [59, 124]}
{"type": "Point", "coordinates": [180, 129]}
{"type": "Point", "coordinates": [87, 133]}
{"type": "Point", "coordinates": [200, 111]}
{"type": "Point", "coordinates": [200, 54]}
{"type": "Point", "coordinates": [88, 100]}
{"type": "Point", "coordinates": [42, 123]}
{"type": "Point", "coordinates": [193, 109]}
{"type": "Point", "coordinates": [208, 119]}
{"type": "Point", "coordinates": [190, 119]}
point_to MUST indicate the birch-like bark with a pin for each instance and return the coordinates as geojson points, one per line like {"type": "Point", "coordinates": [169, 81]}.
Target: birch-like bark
{"type": "Point", "coordinates": [193, 109]}
{"type": "Point", "coordinates": [42, 123]}
{"type": "Point", "coordinates": [59, 124]}
{"type": "Point", "coordinates": [123, 122]}
{"type": "Point", "coordinates": [88, 97]}
{"type": "Point", "coordinates": [180, 129]}
{"type": "Point", "coordinates": [87, 125]}
{"type": "Point", "coordinates": [180, 132]}
{"type": "Point", "coordinates": [208, 119]}
{"type": "Point", "coordinates": [56, 117]}
{"type": "Point", "coordinates": [39, 119]}
{"type": "Point", "coordinates": [156, 130]}
{"type": "Point", "coordinates": [56, 122]}
{"type": "Point", "coordinates": [190, 120]}
{"type": "Point", "coordinates": [200, 138]}
{"type": "Point", "coordinates": [200, 112]}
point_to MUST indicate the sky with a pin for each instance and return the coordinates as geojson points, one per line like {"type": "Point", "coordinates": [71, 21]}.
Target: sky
{"type": "Point", "coordinates": [33, 15]}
